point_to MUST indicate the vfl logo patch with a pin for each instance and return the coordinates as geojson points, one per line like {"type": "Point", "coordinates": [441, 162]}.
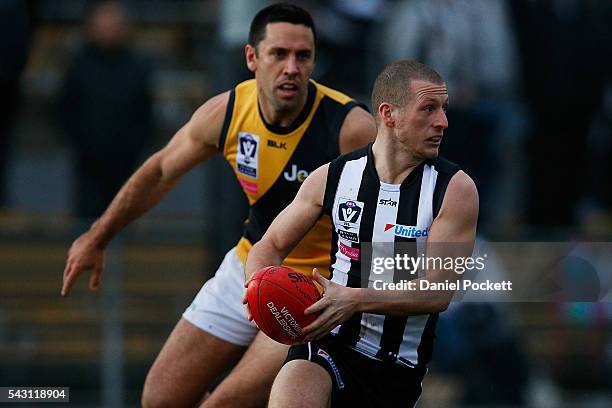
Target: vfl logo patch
{"type": "Point", "coordinates": [348, 215]}
{"type": "Point", "coordinates": [407, 231]}
{"type": "Point", "coordinates": [331, 363]}
{"type": "Point", "coordinates": [247, 158]}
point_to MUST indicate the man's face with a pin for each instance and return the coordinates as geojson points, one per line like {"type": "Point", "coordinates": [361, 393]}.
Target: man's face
{"type": "Point", "coordinates": [421, 124]}
{"type": "Point", "coordinates": [283, 63]}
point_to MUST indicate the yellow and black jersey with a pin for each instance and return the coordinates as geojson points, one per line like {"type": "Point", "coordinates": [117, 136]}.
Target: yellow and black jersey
{"type": "Point", "coordinates": [271, 162]}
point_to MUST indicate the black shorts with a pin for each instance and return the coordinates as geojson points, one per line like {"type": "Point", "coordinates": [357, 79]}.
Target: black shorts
{"type": "Point", "coordinates": [358, 380]}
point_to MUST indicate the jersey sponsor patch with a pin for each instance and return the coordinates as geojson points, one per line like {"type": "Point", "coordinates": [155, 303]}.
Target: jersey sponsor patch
{"type": "Point", "coordinates": [247, 157]}
{"type": "Point", "coordinates": [407, 231]}
{"type": "Point", "coordinates": [348, 235]}
{"type": "Point", "coordinates": [348, 214]}
{"type": "Point", "coordinates": [349, 252]}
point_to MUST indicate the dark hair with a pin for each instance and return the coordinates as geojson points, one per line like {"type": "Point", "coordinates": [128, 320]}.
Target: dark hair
{"type": "Point", "coordinates": [392, 85]}
{"type": "Point", "coordinates": [279, 13]}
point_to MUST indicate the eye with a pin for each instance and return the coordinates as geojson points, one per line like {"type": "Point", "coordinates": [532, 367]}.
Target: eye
{"type": "Point", "coordinates": [429, 108]}
{"type": "Point", "coordinates": [303, 56]}
{"type": "Point", "coordinates": [279, 53]}
{"type": "Point", "coordinates": [445, 107]}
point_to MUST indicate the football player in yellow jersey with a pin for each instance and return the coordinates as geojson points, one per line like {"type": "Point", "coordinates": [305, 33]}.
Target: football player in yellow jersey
{"type": "Point", "coordinates": [273, 130]}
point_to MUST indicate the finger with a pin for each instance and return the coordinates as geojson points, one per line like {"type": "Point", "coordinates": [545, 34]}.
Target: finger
{"type": "Point", "coordinates": [318, 322]}
{"type": "Point", "coordinates": [94, 280]}
{"type": "Point", "coordinates": [67, 270]}
{"type": "Point", "coordinates": [318, 306]}
{"type": "Point", "coordinates": [69, 280]}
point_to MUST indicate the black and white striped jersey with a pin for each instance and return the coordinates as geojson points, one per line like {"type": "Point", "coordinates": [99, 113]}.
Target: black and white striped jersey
{"type": "Point", "coordinates": [366, 211]}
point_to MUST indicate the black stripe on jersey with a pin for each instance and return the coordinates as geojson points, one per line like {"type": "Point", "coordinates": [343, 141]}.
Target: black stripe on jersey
{"type": "Point", "coordinates": [407, 210]}
{"type": "Point", "coordinates": [425, 348]}
{"type": "Point", "coordinates": [229, 112]}
{"type": "Point", "coordinates": [446, 170]}
{"type": "Point", "coordinates": [358, 277]}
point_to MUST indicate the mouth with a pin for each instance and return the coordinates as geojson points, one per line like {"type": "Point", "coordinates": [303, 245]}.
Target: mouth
{"type": "Point", "coordinates": [434, 140]}
{"type": "Point", "coordinates": [288, 90]}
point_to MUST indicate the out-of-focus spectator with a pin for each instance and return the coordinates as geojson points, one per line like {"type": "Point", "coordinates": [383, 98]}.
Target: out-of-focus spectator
{"type": "Point", "coordinates": [15, 28]}
{"type": "Point", "coordinates": [344, 29]}
{"type": "Point", "coordinates": [566, 46]}
{"type": "Point", "coordinates": [471, 43]}
{"type": "Point", "coordinates": [106, 107]}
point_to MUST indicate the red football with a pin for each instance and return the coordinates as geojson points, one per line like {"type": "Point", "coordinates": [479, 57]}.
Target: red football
{"type": "Point", "coordinates": [277, 297]}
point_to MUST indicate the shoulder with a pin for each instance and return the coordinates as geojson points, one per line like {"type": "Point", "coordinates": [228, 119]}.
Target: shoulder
{"type": "Point", "coordinates": [461, 198]}
{"type": "Point", "coordinates": [444, 166]}
{"type": "Point", "coordinates": [358, 129]}
{"type": "Point", "coordinates": [207, 121]}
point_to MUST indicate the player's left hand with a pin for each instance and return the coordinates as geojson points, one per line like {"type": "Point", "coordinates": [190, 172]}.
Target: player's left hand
{"type": "Point", "coordinates": [245, 301]}
{"type": "Point", "coordinates": [337, 306]}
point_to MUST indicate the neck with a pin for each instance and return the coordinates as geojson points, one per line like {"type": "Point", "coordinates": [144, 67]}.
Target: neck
{"type": "Point", "coordinates": [393, 161]}
{"type": "Point", "coordinates": [283, 118]}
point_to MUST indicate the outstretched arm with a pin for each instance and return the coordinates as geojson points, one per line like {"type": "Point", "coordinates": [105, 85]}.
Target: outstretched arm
{"type": "Point", "coordinates": [291, 225]}
{"type": "Point", "coordinates": [194, 143]}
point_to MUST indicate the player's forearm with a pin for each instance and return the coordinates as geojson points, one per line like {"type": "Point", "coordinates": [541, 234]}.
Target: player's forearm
{"type": "Point", "coordinates": [145, 188]}
{"type": "Point", "coordinates": [261, 255]}
{"type": "Point", "coordinates": [409, 302]}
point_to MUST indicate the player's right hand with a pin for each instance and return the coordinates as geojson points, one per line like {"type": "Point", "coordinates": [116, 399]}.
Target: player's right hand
{"type": "Point", "coordinates": [83, 256]}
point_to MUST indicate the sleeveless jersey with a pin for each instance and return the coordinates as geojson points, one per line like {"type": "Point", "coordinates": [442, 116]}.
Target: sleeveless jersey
{"type": "Point", "coordinates": [365, 210]}
{"type": "Point", "coordinates": [271, 162]}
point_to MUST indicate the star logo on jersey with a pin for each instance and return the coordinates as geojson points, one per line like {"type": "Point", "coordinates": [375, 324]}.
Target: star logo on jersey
{"type": "Point", "coordinates": [247, 157]}
{"type": "Point", "coordinates": [348, 214]}
{"type": "Point", "coordinates": [407, 231]}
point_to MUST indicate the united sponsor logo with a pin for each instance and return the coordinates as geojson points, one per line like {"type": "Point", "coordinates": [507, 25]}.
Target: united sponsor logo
{"type": "Point", "coordinates": [247, 157]}
{"type": "Point", "coordinates": [325, 355]}
{"type": "Point", "coordinates": [407, 231]}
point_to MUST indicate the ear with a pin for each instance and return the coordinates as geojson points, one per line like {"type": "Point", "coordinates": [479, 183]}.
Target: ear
{"type": "Point", "coordinates": [251, 57]}
{"type": "Point", "coordinates": [385, 113]}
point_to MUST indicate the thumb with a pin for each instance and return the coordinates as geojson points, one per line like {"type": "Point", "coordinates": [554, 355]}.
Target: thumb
{"type": "Point", "coordinates": [320, 279]}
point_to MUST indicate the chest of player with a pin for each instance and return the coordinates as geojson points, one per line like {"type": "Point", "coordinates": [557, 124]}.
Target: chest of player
{"type": "Point", "coordinates": [263, 161]}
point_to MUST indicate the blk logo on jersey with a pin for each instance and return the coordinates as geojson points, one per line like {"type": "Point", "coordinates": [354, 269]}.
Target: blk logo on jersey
{"type": "Point", "coordinates": [247, 158]}
{"type": "Point", "coordinates": [278, 145]}
{"type": "Point", "coordinates": [407, 231]}
{"type": "Point", "coordinates": [348, 215]}
{"type": "Point", "coordinates": [295, 174]}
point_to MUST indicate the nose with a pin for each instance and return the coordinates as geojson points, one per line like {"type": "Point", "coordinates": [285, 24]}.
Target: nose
{"type": "Point", "coordinates": [441, 121]}
{"type": "Point", "coordinates": [291, 66]}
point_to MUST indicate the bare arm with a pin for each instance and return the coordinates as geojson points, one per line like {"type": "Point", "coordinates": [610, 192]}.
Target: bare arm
{"type": "Point", "coordinates": [194, 143]}
{"type": "Point", "coordinates": [290, 226]}
{"type": "Point", "coordinates": [357, 130]}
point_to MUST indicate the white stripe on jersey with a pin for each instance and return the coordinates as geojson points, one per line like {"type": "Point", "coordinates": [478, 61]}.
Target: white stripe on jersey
{"type": "Point", "coordinates": [348, 188]}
